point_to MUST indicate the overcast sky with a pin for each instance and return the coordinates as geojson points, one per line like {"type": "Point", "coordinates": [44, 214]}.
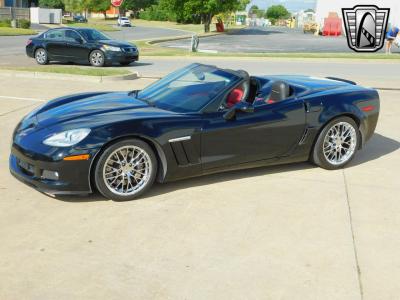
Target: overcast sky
{"type": "Point", "coordinates": [291, 5]}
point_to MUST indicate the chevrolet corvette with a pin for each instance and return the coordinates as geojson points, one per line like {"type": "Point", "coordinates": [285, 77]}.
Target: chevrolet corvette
{"type": "Point", "coordinates": [198, 120]}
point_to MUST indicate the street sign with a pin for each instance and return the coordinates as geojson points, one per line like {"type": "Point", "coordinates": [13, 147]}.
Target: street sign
{"type": "Point", "coordinates": [117, 3]}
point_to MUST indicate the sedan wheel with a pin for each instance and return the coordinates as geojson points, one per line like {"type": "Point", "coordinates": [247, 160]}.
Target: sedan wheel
{"type": "Point", "coordinates": [126, 170]}
{"type": "Point", "coordinates": [336, 144]}
{"type": "Point", "coordinates": [41, 56]}
{"type": "Point", "coordinates": [96, 58]}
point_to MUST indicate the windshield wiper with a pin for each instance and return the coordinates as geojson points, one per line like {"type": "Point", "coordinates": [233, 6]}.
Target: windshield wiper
{"type": "Point", "coordinates": [134, 93]}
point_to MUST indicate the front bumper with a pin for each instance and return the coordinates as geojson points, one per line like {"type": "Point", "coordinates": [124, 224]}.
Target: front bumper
{"type": "Point", "coordinates": [121, 57]}
{"type": "Point", "coordinates": [29, 51]}
{"type": "Point", "coordinates": [73, 177]}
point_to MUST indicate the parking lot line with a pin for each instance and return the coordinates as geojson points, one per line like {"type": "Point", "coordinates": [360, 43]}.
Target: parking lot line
{"type": "Point", "coordinates": [22, 98]}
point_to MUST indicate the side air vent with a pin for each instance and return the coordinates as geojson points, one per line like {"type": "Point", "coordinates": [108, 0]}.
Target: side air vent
{"type": "Point", "coordinates": [184, 151]}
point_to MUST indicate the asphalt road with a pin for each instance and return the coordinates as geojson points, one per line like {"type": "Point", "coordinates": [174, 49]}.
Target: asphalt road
{"type": "Point", "coordinates": [283, 232]}
{"type": "Point", "coordinates": [15, 45]}
{"type": "Point", "coordinates": [268, 39]}
{"type": "Point", "coordinates": [378, 73]}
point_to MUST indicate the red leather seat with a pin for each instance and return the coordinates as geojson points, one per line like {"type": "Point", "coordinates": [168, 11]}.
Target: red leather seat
{"type": "Point", "coordinates": [234, 97]}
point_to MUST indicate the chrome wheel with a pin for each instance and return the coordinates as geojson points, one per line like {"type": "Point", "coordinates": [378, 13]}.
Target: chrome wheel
{"type": "Point", "coordinates": [97, 58]}
{"type": "Point", "coordinates": [127, 170]}
{"type": "Point", "coordinates": [340, 143]}
{"type": "Point", "coordinates": [41, 56]}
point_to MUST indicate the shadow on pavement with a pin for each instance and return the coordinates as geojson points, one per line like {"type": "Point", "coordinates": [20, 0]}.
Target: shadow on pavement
{"type": "Point", "coordinates": [134, 64]}
{"type": "Point", "coordinates": [251, 31]}
{"type": "Point", "coordinates": [377, 147]}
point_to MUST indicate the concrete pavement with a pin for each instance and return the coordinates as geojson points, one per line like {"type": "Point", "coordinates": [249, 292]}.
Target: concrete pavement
{"type": "Point", "coordinates": [269, 39]}
{"type": "Point", "coordinates": [284, 232]}
{"type": "Point", "coordinates": [376, 73]}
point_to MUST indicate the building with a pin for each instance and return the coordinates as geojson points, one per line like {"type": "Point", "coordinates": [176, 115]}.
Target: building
{"type": "Point", "coordinates": [303, 17]}
{"type": "Point", "coordinates": [323, 7]}
{"type": "Point", "coordinates": [112, 12]}
{"type": "Point", "coordinates": [18, 3]}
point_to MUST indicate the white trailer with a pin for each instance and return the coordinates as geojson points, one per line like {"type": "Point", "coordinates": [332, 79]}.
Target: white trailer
{"type": "Point", "coordinates": [46, 15]}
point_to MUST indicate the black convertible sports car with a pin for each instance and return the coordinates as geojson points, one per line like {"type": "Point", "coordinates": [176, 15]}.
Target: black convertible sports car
{"type": "Point", "coordinates": [198, 120]}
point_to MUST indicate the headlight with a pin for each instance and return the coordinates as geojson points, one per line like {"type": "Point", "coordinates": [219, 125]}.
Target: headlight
{"type": "Point", "coordinates": [111, 48]}
{"type": "Point", "coordinates": [67, 138]}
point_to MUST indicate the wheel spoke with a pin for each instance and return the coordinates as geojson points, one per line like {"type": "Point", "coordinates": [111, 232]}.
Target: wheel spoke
{"type": "Point", "coordinates": [339, 143]}
{"type": "Point", "coordinates": [127, 170]}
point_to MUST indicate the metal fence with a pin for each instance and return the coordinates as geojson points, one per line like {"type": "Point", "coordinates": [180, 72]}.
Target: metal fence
{"type": "Point", "coordinates": [20, 13]}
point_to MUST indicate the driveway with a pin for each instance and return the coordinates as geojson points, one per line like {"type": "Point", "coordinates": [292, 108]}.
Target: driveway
{"type": "Point", "coordinates": [284, 232]}
{"type": "Point", "coordinates": [268, 39]}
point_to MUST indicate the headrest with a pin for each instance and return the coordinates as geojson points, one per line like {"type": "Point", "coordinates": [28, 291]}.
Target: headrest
{"type": "Point", "coordinates": [280, 90]}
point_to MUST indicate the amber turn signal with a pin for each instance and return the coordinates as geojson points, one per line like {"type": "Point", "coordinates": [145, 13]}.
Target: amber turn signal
{"type": "Point", "coordinates": [77, 157]}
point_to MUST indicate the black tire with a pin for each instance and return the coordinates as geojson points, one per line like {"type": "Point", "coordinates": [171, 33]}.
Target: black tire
{"type": "Point", "coordinates": [328, 160]}
{"type": "Point", "coordinates": [41, 56]}
{"type": "Point", "coordinates": [100, 171]}
{"type": "Point", "coordinates": [97, 58]}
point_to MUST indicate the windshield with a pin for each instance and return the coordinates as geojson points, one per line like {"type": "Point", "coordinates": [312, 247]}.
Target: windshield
{"type": "Point", "coordinates": [188, 89]}
{"type": "Point", "coordinates": [93, 35]}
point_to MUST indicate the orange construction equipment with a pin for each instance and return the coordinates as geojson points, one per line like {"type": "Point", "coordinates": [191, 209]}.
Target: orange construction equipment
{"type": "Point", "coordinates": [332, 25]}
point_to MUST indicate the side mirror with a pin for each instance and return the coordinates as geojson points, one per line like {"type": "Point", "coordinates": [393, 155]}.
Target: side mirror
{"type": "Point", "coordinates": [79, 40]}
{"type": "Point", "coordinates": [240, 106]}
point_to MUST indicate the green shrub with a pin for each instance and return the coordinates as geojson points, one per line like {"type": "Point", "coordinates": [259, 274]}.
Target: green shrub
{"type": "Point", "coordinates": [24, 23]}
{"type": "Point", "coordinates": [157, 13]}
{"type": "Point", "coordinates": [5, 23]}
{"type": "Point", "coordinates": [67, 21]}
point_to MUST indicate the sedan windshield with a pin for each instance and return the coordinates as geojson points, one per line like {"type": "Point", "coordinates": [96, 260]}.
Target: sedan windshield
{"type": "Point", "coordinates": [92, 35]}
{"type": "Point", "coordinates": [188, 89]}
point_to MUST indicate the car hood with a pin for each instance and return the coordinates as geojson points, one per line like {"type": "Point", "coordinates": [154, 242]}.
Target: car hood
{"type": "Point", "coordinates": [99, 108]}
{"type": "Point", "coordinates": [115, 43]}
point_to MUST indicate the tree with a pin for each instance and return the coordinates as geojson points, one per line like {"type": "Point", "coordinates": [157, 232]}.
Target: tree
{"type": "Point", "coordinates": [99, 6]}
{"type": "Point", "coordinates": [253, 9]}
{"type": "Point", "coordinates": [136, 5]}
{"type": "Point", "coordinates": [206, 9]}
{"type": "Point", "coordinates": [51, 4]}
{"type": "Point", "coordinates": [276, 12]}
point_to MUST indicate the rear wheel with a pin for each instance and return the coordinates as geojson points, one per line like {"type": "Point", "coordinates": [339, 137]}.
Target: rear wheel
{"type": "Point", "coordinates": [96, 58]}
{"type": "Point", "coordinates": [125, 170]}
{"type": "Point", "coordinates": [337, 144]}
{"type": "Point", "coordinates": [41, 56]}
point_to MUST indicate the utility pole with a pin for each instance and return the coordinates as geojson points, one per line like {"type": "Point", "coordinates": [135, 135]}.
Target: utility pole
{"type": "Point", "coordinates": [13, 14]}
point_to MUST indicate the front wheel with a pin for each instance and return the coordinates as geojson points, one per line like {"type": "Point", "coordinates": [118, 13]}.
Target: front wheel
{"type": "Point", "coordinates": [336, 144]}
{"type": "Point", "coordinates": [125, 170]}
{"type": "Point", "coordinates": [96, 58]}
{"type": "Point", "coordinates": [41, 56]}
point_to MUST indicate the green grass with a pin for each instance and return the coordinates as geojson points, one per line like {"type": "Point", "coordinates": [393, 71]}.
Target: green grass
{"type": "Point", "coordinates": [72, 70]}
{"type": "Point", "coordinates": [97, 26]}
{"type": "Point", "coordinates": [147, 49]}
{"type": "Point", "coordinates": [7, 31]}
{"type": "Point", "coordinates": [197, 28]}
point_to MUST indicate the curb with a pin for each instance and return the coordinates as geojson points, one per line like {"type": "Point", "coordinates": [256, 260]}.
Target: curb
{"type": "Point", "coordinates": [180, 37]}
{"type": "Point", "coordinates": [71, 77]}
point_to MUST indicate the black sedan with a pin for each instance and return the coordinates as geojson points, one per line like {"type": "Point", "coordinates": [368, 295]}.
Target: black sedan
{"type": "Point", "coordinates": [198, 120]}
{"type": "Point", "coordinates": [80, 19]}
{"type": "Point", "coordinates": [80, 45]}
